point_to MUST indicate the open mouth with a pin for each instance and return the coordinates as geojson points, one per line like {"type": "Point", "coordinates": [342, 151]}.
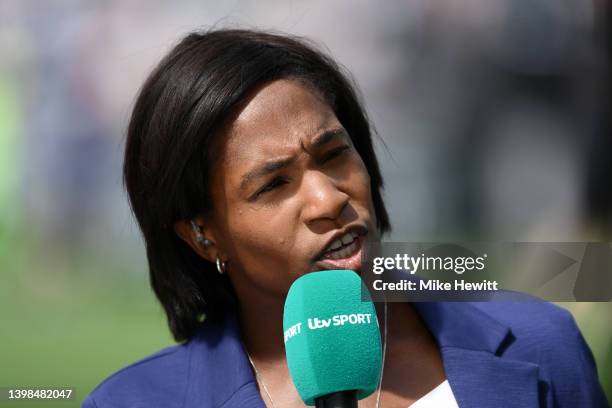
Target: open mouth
{"type": "Point", "coordinates": [343, 247]}
{"type": "Point", "coordinates": [344, 253]}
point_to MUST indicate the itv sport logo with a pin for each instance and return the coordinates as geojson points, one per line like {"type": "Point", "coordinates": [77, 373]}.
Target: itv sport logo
{"type": "Point", "coordinates": [315, 323]}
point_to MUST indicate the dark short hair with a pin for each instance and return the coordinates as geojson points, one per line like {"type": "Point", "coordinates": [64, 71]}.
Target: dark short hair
{"type": "Point", "coordinates": [187, 98]}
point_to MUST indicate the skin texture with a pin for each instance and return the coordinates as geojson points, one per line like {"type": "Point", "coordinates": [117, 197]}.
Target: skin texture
{"type": "Point", "coordinates": [269, 229]}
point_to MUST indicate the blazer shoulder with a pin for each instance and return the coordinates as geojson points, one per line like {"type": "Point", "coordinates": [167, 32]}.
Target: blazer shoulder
{"type": "Point", "coordinates": [156, 380]}
{"type": "Point", "coordinates": [547, 335]}
{"type": "Point", "coordinates": [540, 330]}
{"type": "Point", "coordinates": [530, 316]}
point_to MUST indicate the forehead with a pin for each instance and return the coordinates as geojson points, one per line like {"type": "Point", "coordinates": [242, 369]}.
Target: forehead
{"type": "Point", "coordinates": [279, 117]}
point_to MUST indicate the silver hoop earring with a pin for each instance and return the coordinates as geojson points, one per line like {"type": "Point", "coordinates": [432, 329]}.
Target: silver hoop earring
{"type": "Point", "coordinates": [220, 266]}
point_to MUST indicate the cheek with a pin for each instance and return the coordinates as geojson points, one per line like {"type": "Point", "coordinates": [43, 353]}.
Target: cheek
{"type": "Point", "coordinates": [358, 183]}
{"type": "Point", "coordinates": [261, 234]}
{"type": "Point", "coordinates": [265, 251]}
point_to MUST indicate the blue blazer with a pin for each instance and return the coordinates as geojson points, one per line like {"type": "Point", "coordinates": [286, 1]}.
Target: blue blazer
{"type": "Point", "coordinates": [495, 354]}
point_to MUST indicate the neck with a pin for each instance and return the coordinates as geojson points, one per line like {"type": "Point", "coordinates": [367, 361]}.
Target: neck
{"type": "Point", "coordinates": [405, 326]}
{"type": "Point", "coordinates": [262, 330]}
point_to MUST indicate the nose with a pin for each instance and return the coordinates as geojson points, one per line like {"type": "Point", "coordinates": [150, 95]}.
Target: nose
{"type": "Point", "coordinates": [323, 200]}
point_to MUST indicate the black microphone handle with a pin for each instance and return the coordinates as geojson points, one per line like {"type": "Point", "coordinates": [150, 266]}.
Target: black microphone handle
{"type": "Point", "coordinates": [340, 399]}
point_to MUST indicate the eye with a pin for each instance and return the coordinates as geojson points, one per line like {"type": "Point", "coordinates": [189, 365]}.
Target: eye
{"type": "Point", "coordinates": [275, 183]}
{"type": "Point", "coordinates": [335, 153]}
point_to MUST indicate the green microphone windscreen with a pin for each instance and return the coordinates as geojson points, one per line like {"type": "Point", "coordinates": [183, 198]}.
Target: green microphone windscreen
{"type": "Point", "coordinates": [332, 337]}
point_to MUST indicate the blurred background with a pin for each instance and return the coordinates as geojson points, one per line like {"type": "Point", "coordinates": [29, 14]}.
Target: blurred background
{"type": "Point", "coordinates": [495, 117]}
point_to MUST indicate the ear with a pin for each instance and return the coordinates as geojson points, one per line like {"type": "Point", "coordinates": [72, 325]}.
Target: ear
{"type": "Point", "coordinates": [185, 230]}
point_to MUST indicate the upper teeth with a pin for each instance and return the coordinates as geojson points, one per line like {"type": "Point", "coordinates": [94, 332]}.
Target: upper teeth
{"type": "Point", "coordinates": [343, 240]}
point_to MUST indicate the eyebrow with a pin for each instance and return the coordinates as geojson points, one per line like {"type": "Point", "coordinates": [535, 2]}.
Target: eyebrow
{"type": "Point", "coordinates": [327, 137]}
{"type": "Point", "coordinates": [274, 165]}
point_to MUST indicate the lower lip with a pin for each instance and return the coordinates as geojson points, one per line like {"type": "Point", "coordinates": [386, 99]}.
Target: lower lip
{"type": "Point", "coordinates": [352, 262]}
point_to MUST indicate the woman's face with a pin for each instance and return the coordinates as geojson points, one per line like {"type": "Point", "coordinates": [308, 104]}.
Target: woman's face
{"type": "Point", "coordinates": [291, 194]}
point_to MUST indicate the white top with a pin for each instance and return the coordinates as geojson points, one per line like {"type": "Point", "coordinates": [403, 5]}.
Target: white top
{"type": "Point", "coordinates": [440, 397]}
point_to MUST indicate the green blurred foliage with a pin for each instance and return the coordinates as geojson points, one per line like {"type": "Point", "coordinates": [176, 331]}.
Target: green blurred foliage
{"type": "Point", "coordinates": [70, 325]}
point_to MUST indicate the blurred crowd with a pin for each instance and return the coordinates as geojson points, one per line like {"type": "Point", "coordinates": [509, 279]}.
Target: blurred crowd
{"type": "Point", "coordinates": [494, 116]}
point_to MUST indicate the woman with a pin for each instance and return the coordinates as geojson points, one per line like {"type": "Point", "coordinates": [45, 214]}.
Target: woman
{"type": "Point", "coordinates": [248, 157]}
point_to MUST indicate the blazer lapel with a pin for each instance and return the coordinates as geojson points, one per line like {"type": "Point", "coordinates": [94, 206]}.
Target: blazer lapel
{"type": "Point", "coordinates": [472, 344]}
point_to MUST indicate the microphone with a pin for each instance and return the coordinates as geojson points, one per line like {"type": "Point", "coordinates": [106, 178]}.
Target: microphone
{"type": "Point", "coordinates": [332, 339]}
